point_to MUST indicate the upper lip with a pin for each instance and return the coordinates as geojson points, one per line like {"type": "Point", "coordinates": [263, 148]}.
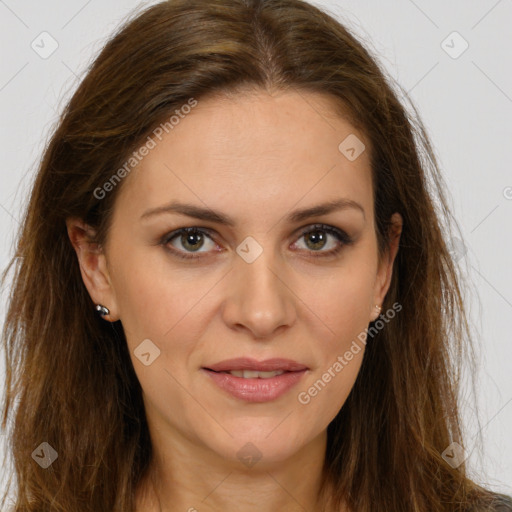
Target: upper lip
{"type": "Point", "coordinates": [245, 363]}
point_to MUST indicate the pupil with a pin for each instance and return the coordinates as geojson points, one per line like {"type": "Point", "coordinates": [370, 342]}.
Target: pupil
{"type": "Point", "coordinates": [189, 240]}
{"type": "Point", "coordinates": [320, 238]}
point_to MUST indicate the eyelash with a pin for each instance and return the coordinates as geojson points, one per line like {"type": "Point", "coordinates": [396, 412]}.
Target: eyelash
{"type": "Point", "coordinates": [340, 235]}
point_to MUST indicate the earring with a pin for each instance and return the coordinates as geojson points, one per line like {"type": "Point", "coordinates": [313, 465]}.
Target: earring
{"type": "Point", "coordinates": [378, 308]}
{"type": "Point", "coordinates": [102, 310]}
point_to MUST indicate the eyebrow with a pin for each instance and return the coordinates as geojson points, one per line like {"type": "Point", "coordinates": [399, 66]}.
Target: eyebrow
{"type": "Point", "coordinates": [208, 214]}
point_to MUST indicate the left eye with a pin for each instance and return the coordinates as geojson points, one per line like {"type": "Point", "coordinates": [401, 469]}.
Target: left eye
{"type": "Point", "coordinates": [316, 238]}
{"type": "Point", "coordinates": [192, 239]}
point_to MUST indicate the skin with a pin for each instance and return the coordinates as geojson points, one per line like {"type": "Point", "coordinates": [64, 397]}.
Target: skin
{"type": "Point", "coordinates": [255, 157]}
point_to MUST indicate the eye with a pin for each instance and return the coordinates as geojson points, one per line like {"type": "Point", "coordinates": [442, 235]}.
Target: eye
{"type": "Point", "coordinates": [192, 239]}
{"type": "Point", "coordinates": [316, 238]}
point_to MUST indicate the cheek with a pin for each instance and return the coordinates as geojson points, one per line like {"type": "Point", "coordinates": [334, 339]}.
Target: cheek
{"type": "Point", "coordinates": [153, 297]}
{"type": "Point", "coordinates": [326, 391]}
{"type": "Point", "coordinates": [343, 306]}
{"type": "Point", "coordinates": [342, 300]}
{"type": "Point", "coordinates": [168, 308]}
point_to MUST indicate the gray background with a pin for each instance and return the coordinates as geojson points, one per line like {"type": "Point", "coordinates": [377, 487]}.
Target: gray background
{"type": "Point", "coordinates": [465, 101]}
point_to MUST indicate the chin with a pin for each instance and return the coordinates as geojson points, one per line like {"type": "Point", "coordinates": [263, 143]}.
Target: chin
{"type": "Point", "coordinates": [255, 448]}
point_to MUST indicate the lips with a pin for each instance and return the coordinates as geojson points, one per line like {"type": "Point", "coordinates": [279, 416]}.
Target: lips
{"type": "Point", "coordinates": [250, 380]}
{"type": "Point", "coordinates": [245, 363]}
{"type": "Point", "coordinates": [250, 389]}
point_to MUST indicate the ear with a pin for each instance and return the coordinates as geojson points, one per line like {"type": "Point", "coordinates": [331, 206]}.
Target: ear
{"type": "Point", "coordinates": [93, 266]}
{"type": "Point", "coordinates": [385, 270]}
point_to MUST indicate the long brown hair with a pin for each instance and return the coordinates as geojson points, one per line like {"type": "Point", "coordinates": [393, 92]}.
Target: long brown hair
{"type": "Point", "coordinates": [69, 378]}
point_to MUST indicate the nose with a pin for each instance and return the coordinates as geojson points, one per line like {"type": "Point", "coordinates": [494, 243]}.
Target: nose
{"type": "Point", "coordinates": [259, 300]}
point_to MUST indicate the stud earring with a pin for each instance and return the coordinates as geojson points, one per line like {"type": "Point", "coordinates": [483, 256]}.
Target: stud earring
{"type": "Point", "coordinates": [378, 308]}
{"type": "Point", "coordinates": [102, 310]}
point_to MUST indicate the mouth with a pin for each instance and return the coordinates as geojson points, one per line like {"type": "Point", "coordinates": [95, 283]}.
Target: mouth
{"type": "Point", "coordinates": [250, 374]}
{"type": "Point", "coordinates": [253, 381]}
{"type": "Point", "coordinates": [263, 368]}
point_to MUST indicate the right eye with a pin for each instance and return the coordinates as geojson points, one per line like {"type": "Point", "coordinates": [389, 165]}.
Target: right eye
{"type": "Point", "coordinates": [191, 240]}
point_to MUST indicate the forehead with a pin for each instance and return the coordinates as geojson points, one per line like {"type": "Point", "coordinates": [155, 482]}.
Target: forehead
{"type": "Point", "coordinates": [258, 124]}
{"type": "Point", "coordinates": [256, 146]}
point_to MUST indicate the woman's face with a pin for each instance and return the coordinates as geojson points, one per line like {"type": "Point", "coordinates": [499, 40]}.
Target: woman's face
{"type": "Point", "coordinates": [257, 278]}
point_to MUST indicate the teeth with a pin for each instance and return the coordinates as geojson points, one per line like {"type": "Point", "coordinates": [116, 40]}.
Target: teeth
{"type": "Point", "coordinates": [249, 374]}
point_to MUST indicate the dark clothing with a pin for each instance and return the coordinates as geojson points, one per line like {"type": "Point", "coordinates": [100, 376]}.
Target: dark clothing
{"type": "Point", "coordinates": [503, 503]}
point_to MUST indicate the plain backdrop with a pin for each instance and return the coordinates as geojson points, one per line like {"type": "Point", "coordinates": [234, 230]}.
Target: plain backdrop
{"type": "Point", "coordinates": [460, 82]}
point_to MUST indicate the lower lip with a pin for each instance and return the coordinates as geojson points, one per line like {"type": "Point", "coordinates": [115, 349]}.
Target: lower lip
{"type": "Point", "coordinates": [256, 390]}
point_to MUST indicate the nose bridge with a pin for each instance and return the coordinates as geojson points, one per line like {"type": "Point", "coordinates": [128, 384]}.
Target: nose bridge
{"type": "Point", "coordinates": [259, 300]}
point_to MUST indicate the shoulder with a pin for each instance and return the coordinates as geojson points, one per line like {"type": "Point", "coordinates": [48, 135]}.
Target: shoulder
{"type": "Point", "coordinates": [493, 502]}
{"type": "Point", "coordinates": [503, 503]}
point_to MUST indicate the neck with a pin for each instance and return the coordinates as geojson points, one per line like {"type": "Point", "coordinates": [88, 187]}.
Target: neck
{"type": "Point", "coordinates": [197, 484]}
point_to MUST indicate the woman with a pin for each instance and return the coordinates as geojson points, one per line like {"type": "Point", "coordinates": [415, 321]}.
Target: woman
{"type": "Point", "coordinates": [233, 290]}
